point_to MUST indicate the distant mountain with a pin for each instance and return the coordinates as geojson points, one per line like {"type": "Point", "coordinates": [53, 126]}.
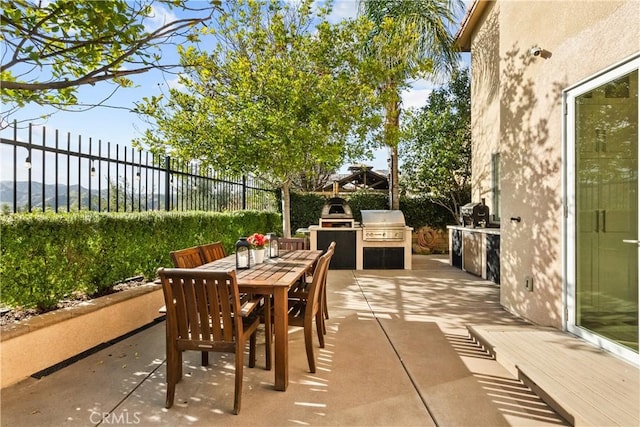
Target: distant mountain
{"type": "Point", "coordinates": [22, 196]}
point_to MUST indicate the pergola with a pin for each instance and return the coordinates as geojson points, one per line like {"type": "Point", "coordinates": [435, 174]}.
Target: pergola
{"type": "Point", "coordinates": [361, 177]}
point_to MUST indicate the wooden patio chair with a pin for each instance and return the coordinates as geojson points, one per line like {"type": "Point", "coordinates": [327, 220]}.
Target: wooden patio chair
{"type": "Point", "coordinates": [301, 290]}
{"type": "Point", "coordinates": [292, 244]}
{"type": "Point", "coordinates": [267, 316]}
{"type": "Point", "coordinates": [303, 311]}
{"type": "Point", "coordinates": [212, 251]}
{"type": "Point", "coordinates": [204, 312]}
{"type": "Point", "coordinates": [187, 258]}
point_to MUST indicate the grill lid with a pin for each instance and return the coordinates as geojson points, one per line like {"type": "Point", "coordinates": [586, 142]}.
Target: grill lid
{"type": "Point", "coordinates": [382, 218]}
{"type": "Point", "coordinates": [468, 208]}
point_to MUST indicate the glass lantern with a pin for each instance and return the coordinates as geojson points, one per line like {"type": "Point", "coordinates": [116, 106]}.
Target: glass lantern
{"type": "Point", "coordinates": [243, 260]}
{"type": "Point", "coordinates": [274, 245]}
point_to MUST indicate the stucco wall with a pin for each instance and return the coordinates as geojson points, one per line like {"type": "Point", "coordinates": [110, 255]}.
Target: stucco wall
{"type": "Point", "coordinates": [46, 340]}
{"type": "Point", "coordinates": [485, 107]}
{"type": "Point", "coordinates": [583, 38]}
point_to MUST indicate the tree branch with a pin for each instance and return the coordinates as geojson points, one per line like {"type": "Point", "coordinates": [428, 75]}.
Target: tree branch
{"type": "Point", "coordinates": [34, 87]}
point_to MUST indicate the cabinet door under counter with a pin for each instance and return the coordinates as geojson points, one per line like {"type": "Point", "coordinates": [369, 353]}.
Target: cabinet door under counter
{"type": "Point", "coordinates": [344, 257]}
{"type": "Point", "coordinates": [476, 251]}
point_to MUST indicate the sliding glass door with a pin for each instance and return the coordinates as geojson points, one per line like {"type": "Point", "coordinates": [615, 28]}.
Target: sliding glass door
{"type": "Point", "coordinates": [602, 153]}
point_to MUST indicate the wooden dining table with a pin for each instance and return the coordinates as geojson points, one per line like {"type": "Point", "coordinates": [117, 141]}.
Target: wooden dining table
{"type": "Point", "coordinates": [273, 277]}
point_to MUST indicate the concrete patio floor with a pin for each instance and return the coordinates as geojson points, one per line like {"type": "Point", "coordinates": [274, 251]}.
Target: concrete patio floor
{"type": "Point", "coordinates": [398, 353]}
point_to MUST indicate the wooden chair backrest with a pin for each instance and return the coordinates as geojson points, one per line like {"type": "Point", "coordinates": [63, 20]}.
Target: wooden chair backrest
{"type": "Point", "coordinates": [212, 251]}
{"type": "Point", "coordinates": [292, 244]}
{"type": "Point", "coordinates": [315, 289]}
{"type": "Point", "coordinates": [187, 258]}
{"type": "Point", "coordinates": [332, 247]}
{"type": "Point", "coordinates": [203, 308]}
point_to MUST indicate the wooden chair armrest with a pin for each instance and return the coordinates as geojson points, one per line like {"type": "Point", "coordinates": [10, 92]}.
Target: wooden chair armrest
{"type": "Point", "coordinates": [250, 305]}
{"type": "Point", "coordinates": [246, 309]}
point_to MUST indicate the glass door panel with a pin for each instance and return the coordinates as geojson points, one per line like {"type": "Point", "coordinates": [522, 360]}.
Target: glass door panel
{"type": "Point", "coordinates": [606, 233]}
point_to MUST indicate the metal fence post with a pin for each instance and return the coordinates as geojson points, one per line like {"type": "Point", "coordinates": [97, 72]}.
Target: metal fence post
{"type": "Point", "coordinates": [167, 184]}
{"type": "Point", "coordinates": [244, 192]}
{"type": "Point", "coordinates": [30, 163]}
{"type": "Point", "coordinates": [15, 167]}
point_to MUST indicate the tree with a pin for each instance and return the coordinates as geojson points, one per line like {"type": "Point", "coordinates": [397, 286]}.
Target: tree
{"type": "Point", "coordinates": [411, 38]}
{"type": "Point", "coordinates": [436, 153]}
{"type": "Point", "coordinates": [279, 95]}
{"type": "Point", "coordinates": [52, 48]}
{"type": "Point", "coordinates": [311, 179]}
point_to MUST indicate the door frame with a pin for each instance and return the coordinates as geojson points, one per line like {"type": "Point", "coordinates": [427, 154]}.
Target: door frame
{"type": "Point", "coordinates": [569, 95]}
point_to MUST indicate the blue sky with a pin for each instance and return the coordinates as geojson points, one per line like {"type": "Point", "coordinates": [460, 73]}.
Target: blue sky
{"type": "Point", "coordinates": [113, 122]}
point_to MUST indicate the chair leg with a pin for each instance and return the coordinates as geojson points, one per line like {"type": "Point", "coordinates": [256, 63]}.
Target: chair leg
{"type": "Point", "coordinates": [323, 327]}
{"type": "Point", "coordinates": [238, 387]}
{"type": "Point", "coordinates": [319, 327]}
{"type": "Point", "coordinates": [252, 350]}
{"type": "Point", "coordinates": [308, 343]}
{"type": "Point", "coordinates": [268, 331]}
{"type": "Point", "coordinates": [173, 375]}
{"type": "Point", "coordinates": [205, 358]}
{"type": "Point", "coordinates": [324, 301]}
{"type": "Point", "coordinates": [171, 390]}
{"type": "Point", "coordinates": [324, 310]}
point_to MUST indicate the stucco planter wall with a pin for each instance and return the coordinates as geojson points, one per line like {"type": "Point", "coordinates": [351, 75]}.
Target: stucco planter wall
{"type": "Point", "coordinates": [43, 341]}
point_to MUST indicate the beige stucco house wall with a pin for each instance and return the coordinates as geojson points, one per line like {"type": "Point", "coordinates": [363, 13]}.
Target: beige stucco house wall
{"type": "Point", "coordinates": [517, 111]}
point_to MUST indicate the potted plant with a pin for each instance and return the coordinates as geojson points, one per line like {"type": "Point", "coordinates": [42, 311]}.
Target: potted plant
{"type": "Point", "coordinates": [258, 242]}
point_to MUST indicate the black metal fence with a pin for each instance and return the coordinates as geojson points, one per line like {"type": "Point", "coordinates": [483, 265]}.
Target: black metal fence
{"type": "Point", "coordinates": [66, 174]}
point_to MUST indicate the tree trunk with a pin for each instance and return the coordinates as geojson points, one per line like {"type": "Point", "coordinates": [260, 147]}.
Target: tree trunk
{"type": "Point", "coordinates": [392, 133]}
{"type": "Point", "coordinates": [286, 209]}
{"type": "Point", "coordinates": [394, 189]}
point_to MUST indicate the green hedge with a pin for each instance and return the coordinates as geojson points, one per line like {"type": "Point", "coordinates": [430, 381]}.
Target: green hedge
{"type": "Point", "coordinates": [47, 257]}
{"type": "Point", "coordinates": [305, 209]}
{"type": "Point", "coordinates": [418, 212]}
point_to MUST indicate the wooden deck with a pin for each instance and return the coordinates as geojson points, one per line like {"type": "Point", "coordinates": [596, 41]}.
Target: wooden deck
{"type": "Point", "coordinates": [585, 385]}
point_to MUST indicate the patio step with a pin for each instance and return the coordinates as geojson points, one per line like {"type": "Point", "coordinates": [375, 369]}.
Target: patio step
{"type": "Point", "coordinates": [585, 385]}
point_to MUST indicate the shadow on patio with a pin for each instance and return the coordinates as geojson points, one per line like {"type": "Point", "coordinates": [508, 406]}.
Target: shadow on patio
{"type": "Point", "coordinates": [397, 353]}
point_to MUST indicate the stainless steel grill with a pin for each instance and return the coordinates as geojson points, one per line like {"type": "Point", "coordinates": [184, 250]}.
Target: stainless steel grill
{"type": "Point", "coordinates": [383, 225]}
{"type": "Point", "coordinates": [475, 214]}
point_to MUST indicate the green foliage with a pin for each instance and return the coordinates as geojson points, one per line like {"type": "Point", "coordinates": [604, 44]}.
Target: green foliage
{"type": "Point", "coordinates": [52, 47]}
{"type": "Point", "coordinates": [46, 257]}
{"type": "Point", "coordinates": [279, 94]}
{"type": "Point", "coordinates": [411, 39]}
{"type": "Point", "coordinates": [436, 153]}
{"type": "Point", "coordinates": [363, 200]}
{"type": "Point", "coordinates": [306, 209]}
{"type": "Point", "coordinates": [42, 257]}
{"type": "Point", "coordinates": [421, 211]}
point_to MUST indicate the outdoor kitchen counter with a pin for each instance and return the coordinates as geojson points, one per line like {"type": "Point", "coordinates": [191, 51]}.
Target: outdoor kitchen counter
{"type": "Point", "coordinates": [476, 251]}
{"type": "Point", "coordinates": [351, 248]}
